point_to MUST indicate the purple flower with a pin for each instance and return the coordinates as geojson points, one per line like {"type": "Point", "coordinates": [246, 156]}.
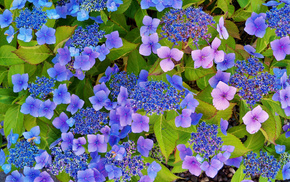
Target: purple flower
{"type": "Point", "coordinates": [284, 97]}
{"type": "Point", "coordinates": [103, 51]}
{"type": "Point", "coordinates": [86, 176]}
{"type": "Point", "coordinates": [212, 169]}
{"type": "Point", "coordinates": [12, 138]}
{"type": "Point", "coordinates": [227, 63]}
{"type": "Point", "coordinates": [100, 87]}
{"type": "Point", "coordinates": [64, 56]}
{"type": "Point", "coordinates": [191, 163]}
{"type": "Point", "coordinates": [46, 109]}
{"type": "Point", "coordinates": [30, 173]}
{"type": "Point", "coordinates": [113, 171]}
{"type": "Point", "coordinates": [75, 104]}
{"type": "Point", "coordinates": [183, 151]}
{"type": "Point", "coordinates": [125, 114]}
{"type": "Point", "coordinates": [143, 78]}
{"type": "Point", "coordinates": [67, 141]}
{"type": "Point", "coordinates": [175, 81]}
{"type": "Point", "coordinates": [43, 177]}
{"type": "Point", "coordinates": [222, 29]}
{"type": "Point", "coordinates": [61, 95]}
{"type": "Point", "coordinates": [15, 177]}
{"type": "Point", "coordinates": [280, 48]}
{"type": "Point", "coordinates": [153, 169]}
{"type": "Point", "coordinates": [195, 118]}
{"type": "Point", "coordinates": [97, 143]}
{"type": "Point", "coordinates": [145, 178]}
{"type": "Point", "coordinates": [224, 126]}
{"type": "Point", "coordinates": [77, 145]}
{"type": "Point", "coordinates": [99, 177]}
{"type": "Point", "coordinates": [6, 18]}
{"type": "Point", "coordinates": [42, 160]}
{"type": "Point", "coordinates": [183, 120]}
{"type": "Point", "coordinates": [252, 51]}
{"type": "Point", "coordinates": [254, 118]}
{"type": "Point", "coordinates": [150, 25]}
{"type": "Point", "coordinates": [280, 149]}
{"type": "Point", "coordinates": [99, 100]}
{"type": "Point", "coordinates": [113, 40]}
{"type": "Point", "coordinates": [222, 94]}
{"type": "Point", "coordinates": [19, 82]}
{"type": "Point", "coordinates": [166, 54]}
{"type": "Point", "coordinates": [256, 25]}
{"type": "Point", "coordinates": [92, 55]}
{"type": "Point", "coordinates": [119, 152]}
{"type": "Point", "coordinates": [286, 171]}
{"type": "Point", "coordinates": [234, 161]}
{"type": "Point", "coordinates": [218, 55]}
{"type": "Point", "coordinates": [25, 34]}
{"type": "Point", "coordinates": [59, 72]}
{"type": "Point", "coordinates": [122, 96]}
{"type": "Point", "coordinates": [10, 34]}
{"type": "Point", "coordinates": [220, 76]}
{"type": "Point", "coordinates": [33, 135]}
{"type": "Point", "coordinates": [148, 43]}
{"type": "Point", "coordinates": [82, 62]}
{"type": "Point", "coordinates": [2, 157]}
{"type": "Point", "coordinates": [144, 146]}
{"type": "Point", "coordinates": [31, 106]}
{"type": "Point", "coordinates": [140, 123]}
{"type": "Point", "coordinates": [203, 57]}
{"type": "Point", "coordinates": [46, 35]}
{"type": "Point", "coordinates": [189, 102]}
{"type": "Point", "coordinates": [60, 122]}
{"type": "Point", "coordinates": [106, 132]}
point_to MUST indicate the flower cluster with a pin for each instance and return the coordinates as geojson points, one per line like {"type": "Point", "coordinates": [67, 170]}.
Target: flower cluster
{"type": "Point", "coordinates": [160, 4]}
{"type": "Point", "coordinates": [264, 165]}
{"type": "Point", "coordinates": [180, 25]}
{"type": "Point", "coordinates": [41, 88]}
{"type": "Point", "coordinates": [31, 19]}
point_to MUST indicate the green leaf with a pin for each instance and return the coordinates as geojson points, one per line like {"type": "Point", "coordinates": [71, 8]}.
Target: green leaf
{"type": "Point", "coordinates": [222, 114]}
{"type": "Point", "coordinates": [205, 95]}
{"type": "Point", "coordinates": [208, 111]}
{"type": "Point", "coordinates": [239, 131]}
{"type": "Point", "coordinates": [232, 29]}
{"type": "Point", "coordinates": [272, 127]}
{"type": "Point", "coordinates": [13, 120]}
{"type": "Point", "coordinates": [192, 73]}
{"type": "Point", "coordinates": [7, 96]}
{"type": "Point", "coordinates": [33, 55]}
{"type": "Point", "coordinates": [135, 62]}
{"type": "Point", "coordinates": [188, 3]}
{"type": "Point", "coordinates": [122, 51]}
{"type": "Point", "coordinates": [164, 174]}
{"type": "Point", "coordinates": [222, 4]}
{"type": "Point", "coordinates": [29, 122]}
{"type": "Point", "coordinates": [239, 174]}
{"type": "Point", "coordinates": [104, 16]}
{"type": "Point", "coordinates": [232, 140]}
{"type": "Point", "coordinates": [263, 43]}
{"type": "Point", "coordinates": [241, 15]}
{"type": "Point", "coordinates": [243, 3]}
{"type": "Point", "coordinates": [255, 141]}
{"type": "Point", "coordinates": [134, 36]}
{"type": "Point", "coordinates": [63, 177]}
{"type": "Point", "coordinates": [243, 109]}
{"type": "Point", "coordinates": [123, 7]}
{"type": "Point", "coordinates": [62, 34]}
{"type": "Point", "coordinates": [139, 17]}
{"type": "Point", "coordinates": [7, 57]}
{"type": "Point", "coordinates": [166, 136]}
{"type": "Point", "coordinates": [274, 106]}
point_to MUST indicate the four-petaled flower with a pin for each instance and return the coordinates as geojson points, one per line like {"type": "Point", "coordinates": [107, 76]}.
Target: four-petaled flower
{"type": "Point", "coordinates": [222, 29]}
{"type": "Point", "coordinates": [20, 82]}
{"type": "Point", "coordinates": [281, 47]}
{"type": "Point", "coordinates": [166, 54]}
{"type": "Point", "coordinates": [113, 40]}
{"type": "Point", "coordinates": [203, 58]}
{"type": "Point", "coordinates": [149, 43]}
{"type": "Point", "coordinates": [222, 94]}
{"type": "Point", "coordinates": [256, 25]}
{"type": "Point", "coordinates": [144, 146]}
{"type": "Point", "coordinates": [45, 35]}
{"type": "Point", "coordinates": [150, 25]}
{"type": "Point", "coordinates": [140, 123]}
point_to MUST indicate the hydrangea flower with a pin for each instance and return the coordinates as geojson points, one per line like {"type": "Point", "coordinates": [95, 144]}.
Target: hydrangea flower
{"type": "Point", "coordinates": [203, 58]}
{"type": "Point", "coordinates": [175, 81]}
{"type": "Point", "coordinates": [20, 82]}
{"type": "Point", "coordinates": [92, 55]}
{"type": "Point", "coordinates": [6, 18]}
{"type": "Point", "coordinates": [99, 100]}
{"type": "Point", "coordinates": [61, 95]}
{"type": "Point", "coordinates": [77, 145]}
{"type": "Point", "coordinates": [254, 118]}
{"type": "Point", "coordinates": [280, 149]}
{"type": "Point", "coordinates": [224, 126]}
{"type": "Point", "coordinates": [166, 54]}
{"type": "Point", "coordinates": [150, 25]}
{"type": "Point", "coordinates": [113, 171]}
{"type": "Point", "coordinates": [31, 106]}
{"type": "Point", "coordinates": [12, 138]}
{"type": "Point", "coordinates": [281, 47]}
{"type": "Point", "coordinates": [149, 43]}
{"type": "Point", "coordinates": [97, 143]}
{"type": "Point", "coordinates": [192, 164]}
{"type": "Point", "coordinates": [44, 176]}
{"type": "Point", "coordinates": [2, 157]}
{"type": "Point", "coordinates": [252, 51]}
{"type": "Point", "coordinates": [46, 109]}
{"type": "Point", "coordinates": [59, 72]}
{"type": "Point", "coordinates": [64, 56]}
{"type": "Point", "coordinates": [6, 168]}
{"type": "Point", "coordinates": [256, 25]}
{"type": "Point", "coordinates": [125, 114]}
{"type": "Point", "coordinates": [286, 171]}
{"type": "Point", "coordinates": [220, 76]}
{"type": "Point", "coordinates": [189, 102]}
{"type": "Point", "coordinates": [222, 29]}
{"type": "Point", "coordinates": [75, 104]}
{"type": "Point", "coordinates": [140, 123]}
{"type": "Point", "coordinates": [86, 176]}
{"type": "Point", "coordinates": [25, 34]}
{"type": "Point", "coordinates": [222, 94]}
{"type": "Point", "coordinates": [33, 135]}
{"type": "Point", "coordinates": [153, 169]}
{"type": "Point", "coordinates": [218, 55]}
{"type": "Point", "coordinates": [30, 173]}
{"type": "Point", "coordinates": [46, 35]}
{"type": "Point", "coordinates": [15, 176]}
{"type": "Point", "coordinates": [284, 97]}
{"type": "Point", "coordinates": [184, 151]}
{"type": "Point", "coordinates": [10, 34]}
{"type": "Point", "coordinates": [18, 4]}
{"type": "Point", "coordinates": [113, 40]}
{"type": "Point", "coordinates": [211, 169]}
{"type": "Point", "coordinates": [103, 51]}
{"type": "Point", "coordinates": [183, 120]}
{"type": "Point", "coordinates": [144, 146]}
{"type": "Point", "coordinates": [67, 141]}
{"type": "Point", "coordinates": [60, 122]}
{"type": "Point", "coordinates": [228, 62]}
{"type": "Point", "coordinates": [83, 15]}
{"type": "Point", "coordinates": [41, 160]}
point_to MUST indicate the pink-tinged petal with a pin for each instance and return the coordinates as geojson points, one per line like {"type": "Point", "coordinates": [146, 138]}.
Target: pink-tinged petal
{"type": "Point", "coordinates": [154, 37]}
{"type": "Point", "coordinates": [224, 88]}
{"type": "Point", "coordinates": [221, 104]}
{"type": "Point", "coordinates": [231, 93]}
{"type": "Point", "coordinates": [225, 33]}
{"type": "Point", "coordinates": [163, 52]}
{"type": "Point", "coordinates": [215, 43]}
{"type": "Point", "coordinates": [211, 172]}
{"type": "Point", "coordinates": [275, 45]}
{"type": "Point", "coordinates": [279, 54]}
{"type": "Point", "coordinates": [145, 39]}
{"type": "Point", "coordinates": [256, 111]}
{"type": "Point", "coordinates": [207, 51]}
{"type": "Point", "coordinates": [155, 22]}
{"type": "Point", "coordinates": [219, 56]}
{"type": "Point", "coordinates": [145, 49]}
{"type": "Point", "coordinates": [176, 54]}
{"type": "Point", "coordinates": [263, 116]}
{"type": "Point", "coordinates": [166, 64]}
{"type": "Point", "coordinates": [196, 54]}
{"type": "Point", "coordinates": [216, 93]}
{"type": "Point", "coordinates": [221, 21]}
{"type": "Point", "coordinates": [147, 20]}
{"type": "Point", "coordinates": [248, 118]}
{"type": "Point", "coordinates": [253, 127]}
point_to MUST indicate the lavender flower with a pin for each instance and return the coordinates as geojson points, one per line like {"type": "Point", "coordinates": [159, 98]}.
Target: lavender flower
{"type": "Point", "coordinates": [222, 29]}
{"type": "Point", "coordinates": [256, 25]}
{"type": "Point", "coordinates": [97, 143]}
{"type": "Point", "coordinates": [43, 177]}
{"type": "Point", "coordinates": [144, 146]}
{"type": "Point", "coordinates": [222, 94]}
{"type": "Point", "coordinates": [203, 57]}
{"type": "Point", "coordinates": [218, 55]}
{"type": "Point", "coordinates": [15, 176]}
{"type": "Point", "coordinates": [166, 54]}
{"type": "Point", "coordinates": [19, 82]}
{"type": "Point", "coordinates": [60, 122]}
{"type": "Point", "coordinates": [75, 104]}
{"type": "Point", "coordinates": [113, 40]}
{"type": "Point", "coordinates": [281, 47]}
{"type": "Point", "coordinates": [183, 120]}
{"type": "Point", "coordinates": [149, 43]}
{"type": "Point", "coordinates": [77, 145]}
{"type": "Point", "coordinates": [33, 135]}
{"type": "Point", "coordinates": [6, 18]}
{"type": "Point", "coordinates": [150, 26]}
{"type": "Point", "coordinates": [191, 163]}
{"type": "Point", "coordinates": [46, 35]}
{"type": "Point", "coordinates": [140, 123]}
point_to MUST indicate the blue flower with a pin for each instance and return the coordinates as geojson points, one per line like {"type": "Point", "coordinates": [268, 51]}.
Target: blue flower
{"type": "Point", "coordinates": [12, 138]}
{"type": "Point", "coordinates": [75, 104]}
{"type": "Point", "coordinates": [86, 176]}
{"type": "Point", "coordinates": [30, 173]}
{"type": "Point", "coordinates": [67, 141]}
{"type": "Point", "coordinates": [52, 14]}
{"type": "Point", "coordinates": [44, 176]}
{"type": "Point", "coordinates": [2, 157]}
{"type": "Point", "coordinates": [280, 149]}
{"type": "Point", "coordinates": [18, 4]}
{"type": "Point", "coordinates": [113, 40]}
{"type": "Point", "coordinates": [113, 5]}
{"type": "Point", "coordinates": [64, 56]}
{"type": "Point", "coordinates": [60, 122]}
{"type": "Point", "coordinates": [42, 160]}
{"type": "Point", "coordinates": [31, 106]}
{"type": "Point", "coordinates": [113, 172]}
{"type": "Point", "coordinates": [227, 63]}
{"type": "Point", "coordinates": [19, 82]}
{"type": "Point", "coordinates": [46, 109]}
{"type": "Point", "coordinates": [15, 176]}
{"type": "Point", "coordinates": [61, 95]}
{"type": "Point", "coordinates": [99, 100]}
{"type": "Point", "coordinates": [153, 169]}
{"type": "Point", "coordinates": [286, 171]}
{"type": "Point", "coordinates": [59, 72]}
{"type": "Point", "coordinates": [33, 135]}
{"type": "Point", "coordinates": [25, 34]}
{"type": "Point", "coordinates": [144, 146]}
{"type": "Point", "coordinates": [10, 34]}
{"type": "Point", "coordinates": [77, 145]}
{"type": "Point", "coordinates": [6, 19]}
{"type": "Point", "coordinates": [6, 168]}
{"type": "Point", "coordinates": [83, 15]}
{"type": "Point", "coordinates": [46, 35]}
{"type": "Point", "coordinates": [82, 62]}
{"type": "Point", "coordinates": [103, 51]}
{"type": "Point", "coordinates": [175, 81]}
